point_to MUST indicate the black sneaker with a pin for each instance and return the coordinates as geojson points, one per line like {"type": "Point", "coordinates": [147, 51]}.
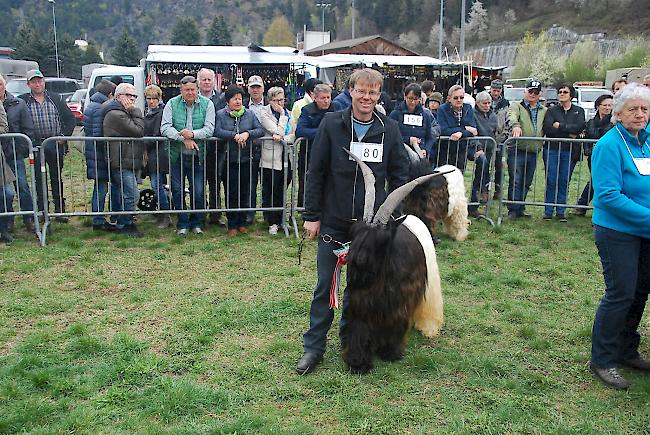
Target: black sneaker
{"type": "Point", "coordinates": [609, 377]}
{"type": "Point", "coordinates": [547, 217]}
{"type": "Point", "coordinates": [131, 231]}
{"type": "Point", "coordinates": [104, 227]}
{"type": "Point", "coordinates": [562, 218]}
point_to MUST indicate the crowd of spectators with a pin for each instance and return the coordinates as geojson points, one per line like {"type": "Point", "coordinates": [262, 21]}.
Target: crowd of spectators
{"type": "Point", "coordinates": [219, 147]}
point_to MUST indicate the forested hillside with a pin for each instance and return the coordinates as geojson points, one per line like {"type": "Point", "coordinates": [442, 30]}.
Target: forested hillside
{"type": "Point", "coordinates": [411, 22]}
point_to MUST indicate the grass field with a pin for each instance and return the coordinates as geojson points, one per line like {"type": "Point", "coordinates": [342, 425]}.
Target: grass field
{"type": "Point", "coordinates": [167, 335]}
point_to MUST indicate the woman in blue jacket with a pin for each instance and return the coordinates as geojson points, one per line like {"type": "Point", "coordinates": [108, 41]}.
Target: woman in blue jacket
{"type": "Point", "coordinates": [239, 127]}
{"type": "Point", "coordinates": [620, 165]}
{"type": "Point", "coordinates": [416, 124]}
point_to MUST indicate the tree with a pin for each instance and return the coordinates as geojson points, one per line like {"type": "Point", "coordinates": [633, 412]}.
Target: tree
{"type": "Point", "coordinates": [126, 52]}
{"type": "Point", "coordinates": [278, 33]}
{"type": "Point", "coordinates": [218, 32]}
{"type": "Point", "coordinates": [409, 40]}
{"type": "Point", "coordinates": [69, 57]}
{"type": "Point", "coordinates": [302, 14]}
{"type": "Point", "coordinates": [478, 21]}
{"type": "Point", "coordinates": [91, 55]}
{"type": "Point", "coordinates": [29, 45]}
{"type": "Point", "coordinates": [536, 57]}
{"type": "Point", "coordinates": [186, 32]}
{"type": "Point", "coordinates": [582, 63]}
{"type": "Point", "coordinates": [434, 38]}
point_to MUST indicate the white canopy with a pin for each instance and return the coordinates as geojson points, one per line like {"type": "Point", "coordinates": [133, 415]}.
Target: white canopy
{"type": "Point", "coordinates": [224, 55]}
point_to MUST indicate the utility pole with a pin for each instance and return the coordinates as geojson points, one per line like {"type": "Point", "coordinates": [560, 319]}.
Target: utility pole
{"type": "Point", "coordinates": [442, 33]}
{"type": "Point", "coordinates": [462, 30]}
{"type": "Point", "coordinates": [56, 45]}
{"type": "Point", "coordinates": [352, 11]}
{"type": "Point", "coordinates": [323, 6]}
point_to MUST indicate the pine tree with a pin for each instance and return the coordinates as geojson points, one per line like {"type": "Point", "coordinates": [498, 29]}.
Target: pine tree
{"type": "Point", "coordinates": [186, 32]}
{"type": "Point", "coordinates": [301, 14]}
{"type": "Point", "coordinates": [126, 52]}
{"type": "Point", "coordinates": [477, 24]}
{"type": "Point", "coordinates": [69, 57]}
{"type": "Point", "coordinates": [29, 45]}
{"type": "Point", "coordinates": [91, 55]}
{"type": "Point", "coordinates": [218, 32]}
{"type": "Point", "coordinates": [278, 33]}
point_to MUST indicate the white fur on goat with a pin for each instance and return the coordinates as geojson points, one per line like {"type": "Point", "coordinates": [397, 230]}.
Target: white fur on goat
{"type": "Point", "coordinates": [428, 316]}
{"type": "Point", "coordinates": [457, 222]}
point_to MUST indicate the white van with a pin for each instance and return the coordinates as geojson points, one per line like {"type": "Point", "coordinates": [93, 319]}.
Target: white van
{"type": "Point", "coordinates": [586, 96]}
{"type": "Point", "coordinates": [130, 74]}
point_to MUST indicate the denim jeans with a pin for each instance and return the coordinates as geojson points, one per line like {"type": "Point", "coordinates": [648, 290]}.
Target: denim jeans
{"type": "Point", "coordinates": [125, 184]}
{"type": "Point", "coordinates": [557, 163]}
{"type": "Point", "coordinates": [190, 167]}
{"type": "Point", "coordinates": [98, 200]}
{"type": "Point", "coordinates": [320, 313]}
{"type": "Point", "coordinates": [158, 182]}
{"type": "Point", "coordinates": [626, 269]}
{"type": "Point", "coordinates": [521, 170]}
{"type": "Point", "coordinates": [22, 187]}
{"type": "Point", "coordinates": [6, 200]}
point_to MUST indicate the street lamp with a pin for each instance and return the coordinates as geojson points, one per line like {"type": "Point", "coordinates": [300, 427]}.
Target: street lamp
{"type": "Point", "coordinates": [323, 6]}
{"type": "Point", "coordinates": [56, 45]}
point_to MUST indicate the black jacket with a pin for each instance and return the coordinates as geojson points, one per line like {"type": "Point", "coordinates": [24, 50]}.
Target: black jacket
{"type": "Point", "coordinates": [571, 121]}
{"type": "Point", "coordinates": [66, 118]}
{"type": "Point", "coordinates": [596, 128]}
{"type": "Point", "coordinates": [334, 192]}
{"type": "Point", "coordinates": [310, 118]}
{"type": "Point", "coordinates": [157, 156]}
{"type": "Point", "coordinates": [20, 121]}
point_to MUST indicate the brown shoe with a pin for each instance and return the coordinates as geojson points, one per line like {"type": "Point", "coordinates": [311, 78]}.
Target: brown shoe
{"type": "Point", "coordinates": [609, 377]}
{"type": "Point", "coordinates": [232, 232]}
{"type": "Point", "coordinates": [243, 230]}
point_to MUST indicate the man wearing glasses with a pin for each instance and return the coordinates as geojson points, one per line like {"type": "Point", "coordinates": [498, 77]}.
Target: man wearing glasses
{"type": "Point", "coordinates": [122, 118]}
{"type": "Point", "coordinates": [527, 120]}
{"type": "Point", "coordinates": [334, 193]}
{"type": "Point", "coordinates": [51, 117]}
{"type": "Point", "coordinates": [457, 121]}
{"type": "Point", "coordinates": [187, 120]}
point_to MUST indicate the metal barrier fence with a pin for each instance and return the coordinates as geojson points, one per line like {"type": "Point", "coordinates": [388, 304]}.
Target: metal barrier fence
{"type": "Point", "coordinates": [561, 157]}
{"type": "Point", "coordinates": [106, 185]}
{"type": "Point", "coordinates": [15, 148]}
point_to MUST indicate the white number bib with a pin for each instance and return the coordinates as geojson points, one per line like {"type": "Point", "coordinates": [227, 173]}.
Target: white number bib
{"type": "Point", "coordinates": [367, 152]}
{"type": "Point", "coordinates": [415, 120]}
{"type": "Point", "coordinates": [642, 165]}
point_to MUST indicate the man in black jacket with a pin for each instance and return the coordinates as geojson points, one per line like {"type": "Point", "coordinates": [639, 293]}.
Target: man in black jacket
{"type": "Point", "coordinates": [335, 192]}
{"type": "Point", "coordinates": [51, 117]}
{"type": "Point", "coordinates": [310, 118]}
{"type": "Point", "coordinates": [16, 150]}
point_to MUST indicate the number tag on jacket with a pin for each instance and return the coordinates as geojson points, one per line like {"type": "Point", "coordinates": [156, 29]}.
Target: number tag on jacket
{"type": "Point", "coordinates": [367, 152]}
{"type": "Point", "coordinates": [415, 120]}
{"type": "Point", "coordinates": [642, 165]}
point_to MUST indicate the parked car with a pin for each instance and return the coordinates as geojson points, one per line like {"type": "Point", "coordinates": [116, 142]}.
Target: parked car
{"type": "Point", "coordinates": [76, 104]}
{"type": "Point", "coordinates": [585, 97]}
{"type": "Point", "coordinates": [63, 86]}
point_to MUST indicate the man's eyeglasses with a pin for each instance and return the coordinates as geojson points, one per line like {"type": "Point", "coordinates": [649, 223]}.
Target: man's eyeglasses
{"type": "Point", "coordinates": [131, 96]}
{"type": "Point", "coordinates": [371, 94]}
{"type": "Point", "coordinates": [279, 100]}
{"type": "Point", "coordinates": [414, 99]}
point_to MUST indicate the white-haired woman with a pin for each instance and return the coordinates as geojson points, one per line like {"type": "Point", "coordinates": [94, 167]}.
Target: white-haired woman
{"type": "Point", "coordinates": [620, 166]}
{"type": "Point", "coordinates": [279, 124]}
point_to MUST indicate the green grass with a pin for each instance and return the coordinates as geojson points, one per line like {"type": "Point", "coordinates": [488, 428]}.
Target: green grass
{"type": "Point", "coordinates": [170, 335]}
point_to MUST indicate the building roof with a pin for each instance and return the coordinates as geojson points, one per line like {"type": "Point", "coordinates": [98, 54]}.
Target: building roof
{"type": "Point", "coordinates": [373, 44]}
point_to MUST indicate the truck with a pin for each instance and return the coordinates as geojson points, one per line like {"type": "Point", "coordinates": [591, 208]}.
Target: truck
{"type": "Point", "coordinates": [16, 69]}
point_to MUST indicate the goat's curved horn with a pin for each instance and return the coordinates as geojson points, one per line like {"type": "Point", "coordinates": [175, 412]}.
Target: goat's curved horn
{"type": "Point", "coordinates": [369, 181]}
{"type": "Point", "coordinates": [413, 156]}
{"type": "Point", "coordinates": [397, 195]}
{"type": "Point", "coordinates": [417, 149]}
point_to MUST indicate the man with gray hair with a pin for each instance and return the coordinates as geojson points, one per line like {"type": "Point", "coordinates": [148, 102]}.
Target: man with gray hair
{"type": "Point", "coordinates": [215, 156]}
{"type": "Point", "coordinates": [481, 154]}
{"type": "Point", "coordinates": [17, 150]}
{"type": "Point", "coordinates": [122, 118]}
{"type": "Point", "coordinates": [646, 81]}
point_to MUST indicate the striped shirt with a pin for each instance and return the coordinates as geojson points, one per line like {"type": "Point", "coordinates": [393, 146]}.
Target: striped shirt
{"type": "Point", "coordinates": [45, 117]}
{"type": "Point", "coordinates": [533, 112]}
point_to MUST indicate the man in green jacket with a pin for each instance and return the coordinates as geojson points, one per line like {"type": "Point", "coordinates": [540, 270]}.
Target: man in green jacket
{"type": "Point", "coordinates": [527, 119]}
{"type": "Point", "coordinates": [188, 119]}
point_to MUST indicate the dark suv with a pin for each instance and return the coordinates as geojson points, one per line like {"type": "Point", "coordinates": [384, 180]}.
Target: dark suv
{"type": "Point", "coordinates": [63, 86]}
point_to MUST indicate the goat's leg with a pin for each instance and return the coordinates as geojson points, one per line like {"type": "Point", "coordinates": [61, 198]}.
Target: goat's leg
{"type": "Point", "coordinates": [393, 342]}
{"type": "Point", "coordinates": [357, 352]}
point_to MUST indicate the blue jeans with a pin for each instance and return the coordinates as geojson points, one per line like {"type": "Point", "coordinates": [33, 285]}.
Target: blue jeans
{"type": "Point", "coordinates": [6, 199]}
{"type": "Point", "coordinates": [158, 182]}
{"type": "Point", "coordinates": [22, 186]}
{"type": "Point", "coordinates": [320, 313]}
{"type": "Point", "coordinates": [557, 164]}
{"type": "Point", "coordinates": [521, 169]}
{"type": "Point", "coordinates": [190, 167]}
{"type": "Point", "coordinates": [126, 188]}
{"type": "Point", "coordinates": [626, 269]}
{"type": "Point", "coordinates": [98, 200]}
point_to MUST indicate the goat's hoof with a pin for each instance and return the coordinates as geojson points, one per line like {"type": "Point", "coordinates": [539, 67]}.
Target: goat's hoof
{"type": "Point", "coordinates": [361, 369]}
{"type": "Point", "coordinates": [390, 355]}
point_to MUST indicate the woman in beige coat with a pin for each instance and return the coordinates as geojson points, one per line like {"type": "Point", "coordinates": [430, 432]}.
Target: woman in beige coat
{"type": "Point", "coordinates": [278, 124]}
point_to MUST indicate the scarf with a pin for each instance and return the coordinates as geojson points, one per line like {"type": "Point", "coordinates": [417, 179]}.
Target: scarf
{"type": "Point", "coordinates": [237, 114]}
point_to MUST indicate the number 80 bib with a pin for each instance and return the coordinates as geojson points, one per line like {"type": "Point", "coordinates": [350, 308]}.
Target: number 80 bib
{"type": "Point", "coordinates": [367, 152]}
